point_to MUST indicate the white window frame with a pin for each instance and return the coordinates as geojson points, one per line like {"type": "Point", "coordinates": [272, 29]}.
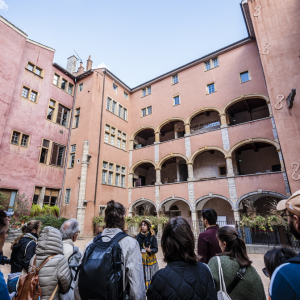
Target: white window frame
{"type": "Point", "coordinates": [174, 100]}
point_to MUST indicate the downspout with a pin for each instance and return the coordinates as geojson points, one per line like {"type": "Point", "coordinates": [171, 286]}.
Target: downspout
{"type": "Point", "coordinates": [100, 135]}
{"type": "Point", "coordinates": [68, 147]}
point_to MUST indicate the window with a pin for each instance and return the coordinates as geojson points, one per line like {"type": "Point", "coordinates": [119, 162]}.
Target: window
{"type": "Point", "coordinates": [51, 110]}
{"type": "Point", "coordinates": [123, 145]}
{"type": "Point", "coordinates": [56, 79]}
{"type": "Point", "coordinates": [77, 115]}
{"type": "Point", "coordinates": [104, 175]}
{"type": "Point", "coordinates": [63, 84]}
{"type": "Point", "coordinates": [24, 140]}
{"type": "Point", "coordinates": [110, 136]}
{"type": "Point", "coordinates": [125, 95]}
{"type": "Point", "coordinates": [176, 100]}
{"type": "Point", "coordinates": [57, 156]}
{"type": "Point", "coordinates": [117, 168]}
{"type": "Point", "coordinates": [146, 91]}
{"type": "Point", "coordinates": [122, 180]}
{"type": "Point", "coordinates": [146, 111]}
{"type": "Point", "coordinates": [72, 156]}
{"type": "Point", "coordinates": [110, 177]}
{"type": "Point", "coordinates": [123, 169]}
{"type": "Point", "coordinates": [244, 76]}
{"type": "Point", "coordinates": [33, 96]}
{"type": "Point", "coordinates": [105, 164]}
{"type": "Point", "coordinates": [106, 137]}
{"type": "Point", "coordinates": [19, 139]}
{"type": "Point", "coordinates": [212, 63]}
{"type": "Point", "coordinates": [37, 192]}
{"type": "Point", "coordinates": [119, 143]}
{"type": "Point", "coordinates": [175, 78]}
{"type": "Point", "coordinates": [70, 88]}
{"type": "Point", "coordinates": [211, 88]}
{"type": "Point", "coordinates": [63, 115]}
{"type": "Point", "coordinates": [113, 130]}
{"type": "Point", "coordinates": [44, 151]}
{"type": "Point", "coordinates": [67, 196]}
{"type": "Point", "coordinates": [34, 69]}
{"type": "Point", "coordinates": [50, 197]}
{"type": "Point", "coordinates": [113, 176]}
{"type": "Point", "coordinates": [25, 92]}
{"type": "Point", "coordinates": [222, 171]}
{"type": "Point", "coordinates": [80, 87]}
{"type": "Point", "coordinates": [113, 109]}
{"type": "Point", "coordinates": [117, 179]}
{"type": "Point", "coordinates": [108, 103]}
{"type": "Point", "coordinates": [111, 166]}
{"type": "Point", "coordinates": [124, 135]}
{"type": "Point", "coordinates": [115, 87]}
{"type": "Point", "coordinates": [120, 111]}
{"type": "Point", "coordinates": [112, 139]}
{"type": "Point", "coordinates": [125, 114]}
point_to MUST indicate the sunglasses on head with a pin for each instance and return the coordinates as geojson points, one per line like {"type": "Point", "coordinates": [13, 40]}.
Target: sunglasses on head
{"type": "Point", "coordinates": [265, 272]}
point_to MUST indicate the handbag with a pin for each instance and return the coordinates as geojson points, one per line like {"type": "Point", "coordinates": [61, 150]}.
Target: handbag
{"type": "Point", "coordinates": [222, 293]}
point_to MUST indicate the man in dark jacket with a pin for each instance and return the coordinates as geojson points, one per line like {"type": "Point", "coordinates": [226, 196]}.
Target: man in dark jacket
{"type": "Point", "coordinates": [208, 244]}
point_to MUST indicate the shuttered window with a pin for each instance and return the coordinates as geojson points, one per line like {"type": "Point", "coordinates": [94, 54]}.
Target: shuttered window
{"type": "Point", "coordinates": [58, 153]}
{"type": "Point", "coordinates": [62, 115]}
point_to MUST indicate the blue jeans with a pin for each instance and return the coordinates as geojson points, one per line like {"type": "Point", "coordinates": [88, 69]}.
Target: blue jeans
{"type": "Point", "coordinates": [12, 285]}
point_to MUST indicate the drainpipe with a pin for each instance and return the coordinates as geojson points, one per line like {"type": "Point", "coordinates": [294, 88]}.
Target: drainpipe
{"type": "Point", "coordinates": [100, 135]}
{"type": "Point", "coordinates": [68, 146]}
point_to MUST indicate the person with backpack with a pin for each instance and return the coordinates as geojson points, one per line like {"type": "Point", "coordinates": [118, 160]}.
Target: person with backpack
{"type": "Point", "coordinates": [111, 267]}
{"type": "Point", "coordinates": [4, 224]}
{"type": "Point", "coordinates": [184, 277]}
{"type": "Point", "coordinates": [148, 247]}
{"type": "Point", "coordinates": [286, 278]}
{"type": "Point", "coordinates": [276, 257]}
{"type": "Point", "coordinates": [23, 248]}
{"type": "Point", "coordinates": [54, 275]}
{"type": "Point", "coordinates": [240, 278]}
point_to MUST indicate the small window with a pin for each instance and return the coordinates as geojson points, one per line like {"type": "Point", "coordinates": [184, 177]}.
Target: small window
{"type": "Point", "coordinates": [44, 151]}
{"type": "Point", "coordinates": [119, 133]}
{"type": "Point", "coordinates": [143, 112]}
{"type": "Point", "coordinates": [15, 137]}
{"type": "Point", "coordinates": [57, 156]}
{"type": "Point", "coordinates": [115, 87]}
{"type": "Point", "coordinates": [244, 76]}
{"type": "Point", "coordinates": [72, 160]}
{"type": "Point", "coordinates": [33, 96]}
{"type": "Point", "coordinates": [125, 95]}
{"type": "Point", "coordinates": [70, 88]}
{"type": "Point", "coordinates": [67, 196]}
{"type": "Point", "coordinates": [146, 91]}
{"type": "Point", "coordinates": [112, 140]}
{"type": "Point", "coordinates": [122, 180]}
{"type": "Point", "coordinates": [175, 78]}
{"type": "Point", "coordinates": [25, 92]}
{"type": "Point", "coordinates": [125, 114]}
{"type": "Point", "coordinates": [38, 71]}
{"type": "Point", "coordinates": [117, 179]}
{"type": "Point", "coordinates": [149, 110]}
{"type": "Point", "coordinates": [77, 115]}
{"type": "Point", "coordinates": [108, 103]}
{"type": "Point", "coordinates": [119, 143]}
{"type": "Point", "coordinates": [104, 175]}
{"type": "Point", "coordinates": [123, 145]}
{"type": "Point", "coordinates": [73, 148]}
{"type": "Point", "coordinates": [212, 63]}
{"type": "Point", "coordinates": [149, 90]}
{"type": "Point", "coordinates": [111, 166]}
{"type": "Point", "coordinates": [110, 177]}
{"type": "Point", "coordinates": [123, 169]}
{"type": "Point", "coordinates": [117, 168]}
{"type": "Point", "coordinates": [80, 87]}
{"type": "Point", "coordinates": [107, 127]}
{"type": "Point", "coordinates": [63, 84]}
{"type": "Point", "coordinates": [113, 109]}
{"type": "Point", "coordinates": [105, 164]}
{"type": "Point", "coordinates": [112, 129]}
{"type": "Point", "coordinates": [33, 68]}
{"type": "Point", "coordinates": [62, 115]}
{"type": "Point", "coordinates": [24, 140]}
{"type": "Point", "coordinates": [215, 62]}
{"type": "Point", "coordinates": [207, 65]}
{"type": "Point", "coordinates": [176, 100]}
{"type": "Point", "coordinates": [30, 67]}
{"type": "Point", "coordinates": [106, 137]}
{"type": "Point", "coordinates": [55, 79]}
{"type": "Point", "coordinates": [124, 135]}
{"type": "Point", "coordinates": [222, 170]}
{"type": "Point", "coordinates": [211, 88]}
{"type": "Point", "coordinates": [120, 111]}
{"type": "Point", "coordinates": [51, 110]}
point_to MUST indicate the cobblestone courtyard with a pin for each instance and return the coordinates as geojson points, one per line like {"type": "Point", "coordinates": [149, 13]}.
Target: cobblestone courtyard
{"type": "Point", "coordinates": [256, 258]}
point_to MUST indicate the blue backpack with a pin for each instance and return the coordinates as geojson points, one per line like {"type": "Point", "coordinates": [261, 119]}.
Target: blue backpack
{"type": "Point", "coordinates": [101, 270]}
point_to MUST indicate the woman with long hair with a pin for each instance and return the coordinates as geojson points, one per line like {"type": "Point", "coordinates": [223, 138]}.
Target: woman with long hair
{"type": "Point", "coordinates": [234, 260]}
{"type": "Point", "coordinates": [184, 277]}
{"type": "Point", "coordinates": [148, 246]}
{"type": "Point", "coordinates": [23, 248]}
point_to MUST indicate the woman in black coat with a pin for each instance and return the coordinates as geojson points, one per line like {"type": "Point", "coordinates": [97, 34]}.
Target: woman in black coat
{"type": "Point", "coordinates": [183, 277]}
{"type": "Point", "coordinates": [23, 249]}
{"type": "Point", "coordinates": [148, 246]}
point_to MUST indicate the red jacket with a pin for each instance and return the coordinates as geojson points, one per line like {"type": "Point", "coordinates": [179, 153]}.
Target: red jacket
{"type": "Point", "coordinates": [208, 244]}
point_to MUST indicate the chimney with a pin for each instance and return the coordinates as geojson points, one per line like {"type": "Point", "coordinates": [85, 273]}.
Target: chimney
{"type": "Point", "coordinates": [80, 69]}
{"type": "Point", "coordinates": [71, 64]}
{"type": "Point", "coordinates": [89, 63]}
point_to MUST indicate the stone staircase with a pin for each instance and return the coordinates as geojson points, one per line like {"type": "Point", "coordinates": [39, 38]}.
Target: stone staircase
{"type": "Point", "coordinates": [13, 233]}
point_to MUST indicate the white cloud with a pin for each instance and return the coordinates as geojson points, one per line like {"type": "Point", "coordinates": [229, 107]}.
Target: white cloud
{"type": "Point", "coordinates": [100, 66]}
{"type": "Point", "coordinates": [3, 5]}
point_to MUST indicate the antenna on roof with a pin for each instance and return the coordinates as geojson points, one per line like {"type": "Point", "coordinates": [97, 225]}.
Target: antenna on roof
{"type": "Point", "coordinates": [78, 57]}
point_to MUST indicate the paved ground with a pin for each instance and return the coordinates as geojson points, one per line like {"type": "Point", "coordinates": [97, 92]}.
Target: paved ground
{"type": "Point", "coordinates": [257, 259]}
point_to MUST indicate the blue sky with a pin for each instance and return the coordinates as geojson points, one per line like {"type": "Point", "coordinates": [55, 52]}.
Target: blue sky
{"type": "Point", "coordinates": [137, 40]}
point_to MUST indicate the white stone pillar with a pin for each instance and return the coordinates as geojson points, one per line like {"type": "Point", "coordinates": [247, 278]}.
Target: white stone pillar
{"type": "Point", "coordinates": [157, 134]}
{"type": "Point", "coordinates": [82, 186]}
{"type": "Point", "coordinates": [158, 177]}
{"type": "Point", "coordinates": [130, 180]}
{"type": "Point", "coordinates": [41, 197]}
{"type": "Point", "coordinates": [187, 129]}
{"type": "Point", "coordinates": [177, 169]}
{"type": "Point", "coordinates": [229, 166]}
{"type": "Point", "coordinates": [190, 171]}
{"type": "Point", "coordinates": [223, 120]}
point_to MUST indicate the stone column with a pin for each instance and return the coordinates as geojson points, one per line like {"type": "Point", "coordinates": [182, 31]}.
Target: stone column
{"type": "Point", "coordinates": [131, 144]}
{"type": "Point", "coordinates": [130, 180]}
{"type": "Point", "coordinates": [229, 166]}
{"type": "Point", "coordinates": [187, 129]}
{"type": "Point", "coordinates": [157, 135]}
{"type": "Point", "coordinates": [236, 214]}
{"type": "Point", "coordinates": [158, 177]}
{"type": "Point", "coordinates": [177, 170]}
{"type": "Point", "coordinates": [270, 109]}
{"type": "Point", "coordinates": [223, 120]}
{"type": "Point", "coordinates": [190, 171]}
{"type": "Point", "coordinates": [82, 186]}
{"type": "Point", "coordinates": [41, 197]}
{"type": "Point", "coordinates": [194, 221]}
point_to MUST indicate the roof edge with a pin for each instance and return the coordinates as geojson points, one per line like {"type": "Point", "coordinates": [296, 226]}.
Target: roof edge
{"type": "Point", "coordinates": [40, 45]}
{"type": "Point", "coordinates": [247, 18]}
{"type": "Point", "coordinates": [63, 70]}
{"type": "Point", "coordinates": [12, 26]}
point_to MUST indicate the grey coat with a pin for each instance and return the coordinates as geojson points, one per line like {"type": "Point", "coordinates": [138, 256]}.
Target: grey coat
{"type": "Point", "coordinates": [56, 270]}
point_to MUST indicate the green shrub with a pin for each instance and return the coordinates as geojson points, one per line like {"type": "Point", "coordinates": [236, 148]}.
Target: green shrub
{"type": "Point", "coordinates": [49, 220]}
{"type": "Point", "coordinates": [46, 210]}
{"type": "Point", "coordinates": [54, 210]}
{"type": "Point", "coordinates": [35, 210]}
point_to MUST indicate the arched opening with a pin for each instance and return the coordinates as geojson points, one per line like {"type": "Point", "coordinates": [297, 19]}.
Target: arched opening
{"type": "Point", "coordinates": [144, 174]}
{"type": "Point", "coordinates": [172, 130]}
{"type": "Point", "coordinates": [175, 207]}
{"type": "Point", "coordinates": [256, 158]}
{"type": "Point", "coordinates": [174, 169]}
{"type": "Point", "coordinates": [144, 208]}
{"type": "Point", "coordinates": [209, 164]}
{"type": "Point", "coordinates": [222, 208]}
{"type": "Point", "coordinates": [247, 110]}
{"type": "Point", "coordinates": [205, 121]}
{"type": "Point", "coordinates": [144, 138]}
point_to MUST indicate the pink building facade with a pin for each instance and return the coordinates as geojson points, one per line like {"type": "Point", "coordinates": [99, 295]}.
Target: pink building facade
{"type": "Point", "coordinates": [210, 133]}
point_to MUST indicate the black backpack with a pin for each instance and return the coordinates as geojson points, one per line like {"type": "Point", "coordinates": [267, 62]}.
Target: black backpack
{"type": "Point", "coordinates": [101, 272]}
